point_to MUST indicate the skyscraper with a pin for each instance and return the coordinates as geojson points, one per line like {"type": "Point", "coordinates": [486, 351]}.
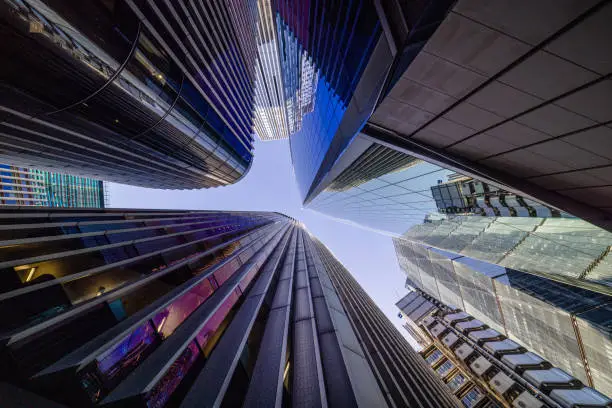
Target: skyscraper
{"type": "Point", "coordinates": [193, 308]}
{"type": "Point", "coordinates": [30, 187]}
{"type": "Point", "coordinates": [541, 285]}
{"type": "Point", "coordinates": [156, 94]}
{"type": "Point", "coordinates": [486, 369]}
{"type": "Point", "coordinates": [500, 95]}
{"type": "Point", "coordinates": [425, 83]}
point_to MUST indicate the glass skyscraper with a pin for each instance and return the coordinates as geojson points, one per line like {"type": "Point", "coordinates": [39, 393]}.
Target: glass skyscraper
{"type": "Point", "coordinates": [21, 186]}
{"type": "Point", "coordinates": [153, 308]}
{"type": "Point", "coordinates": [544, 284]}
{"type": "Point", "coordinates": [156, 94]}
{"type": "Point", "coordinates": [401, 85]}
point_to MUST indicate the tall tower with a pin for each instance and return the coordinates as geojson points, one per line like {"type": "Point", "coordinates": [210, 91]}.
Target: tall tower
{"type": "Point", "coordinates": [155, 94]}
{"type": "Point", "coordinates": [161, 308]}
{"type": "Point", "coordinates": [541, 282]}
{"type": "Point", "coordinates": [459, 85]}
{"type": "Point", "coordinates": [486, 369]}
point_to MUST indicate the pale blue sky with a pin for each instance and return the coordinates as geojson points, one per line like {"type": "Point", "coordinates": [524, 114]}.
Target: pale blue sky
{"type": "Point", "coordinates": [270, 186]}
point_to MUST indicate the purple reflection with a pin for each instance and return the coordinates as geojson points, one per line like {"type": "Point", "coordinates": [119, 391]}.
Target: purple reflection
{"type": "Point", "coordinates": [121, 359]}
{"type": "Point", "coordinates": [162, 391]}
{"type": "Point", "coordinates": [167, 320]}
{"type": "Point", "coordinates": [222, 274]}
{"type": "Point", "coordinates": [216, 319]}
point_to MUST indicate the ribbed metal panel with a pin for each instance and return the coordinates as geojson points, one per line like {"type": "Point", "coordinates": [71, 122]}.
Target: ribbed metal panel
{"type": "Point", "coordinates": [146, 375]}
{"type": "Point", "coordinates": [307, 384]}
{"type": "Point", "coordinates": [211, 384]}
{"type": "Point", "coordinates": [85, 354]}
{"type": "Point", "coordinates": [224, 309]}
{"type": "Point", "coordinates": [409, 381]}
{"type": "Point", "coordinates": [265, 388]}
{"type": "Point", "coordinates": [152, 93]}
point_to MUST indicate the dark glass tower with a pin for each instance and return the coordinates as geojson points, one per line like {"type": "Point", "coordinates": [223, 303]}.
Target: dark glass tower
{"type": "Point", "coordinates": [156, 94]}
{"type": "Point", "coordinates": [193, 308]}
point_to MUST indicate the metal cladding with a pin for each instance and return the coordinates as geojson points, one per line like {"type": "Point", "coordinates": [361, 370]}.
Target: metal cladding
{"type": "Point", "coordinates": [149, 93]}
{"type": "Point", "coordinates": [502, 96]}
{"type": "Point", "coordinates": [150, 308]}
{"type": "Point", "coordinates": [542, 285]}
{"type": "Point", "coordinates": [486, 369]}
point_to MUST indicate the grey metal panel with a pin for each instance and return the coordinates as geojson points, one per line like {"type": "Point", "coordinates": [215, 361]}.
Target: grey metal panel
{"type": "Point", "coordinates": [416, 303]}
{"type": "Point", "coordinates": [302, 304]}
{"type": "Point", "coordinates": [315, 287]}
{"type": "Point", "coordinates": [338, 386]}
{"type": "Point", "coordinates": [480, 365]}
{"type": "Point", "coordinates": [301, 279]}
{"type": "Point", "coordinates": [451, 318]}
{"type": "Point", "coordinates": [421, 311]}
{"type": "Point", "coordinates": [323, 318]}
{"type": "Point", "coordinates": [406, 300]}
{"type": "Point", "coordinates": [211, 384]}
{"type": "Point", "coordinates": [515, 361]}
{"type": "Point", "coordinates": [345, 333]}
{"type": "Point", "coordinates": [281, 298]}
{"type": "Point", "coordinates": [265, 388]}
{"type": "Point", "coordinates": [484, 335]}
{"type": "Point", "coordinates": [551, 376]}
{"type": "Point", "coordinates": [450, 339]}
{"type": "Point", "coordinates": [526, 400]}
{"type": "Point", "coordinates": [305, 387]}
{"type": "Point", "coordinates": [578, 398]}
{"type": "Point", "coordinates": [213, 380]}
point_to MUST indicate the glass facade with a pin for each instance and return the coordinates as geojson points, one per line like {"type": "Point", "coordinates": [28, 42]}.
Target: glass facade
{"type": "Point", "coordinates": [392, 191]}
{"type": "Point", "coordinates": [145, 93]}
{"type": "Point", "coordinates": [150, 308]}
{"type": "Point", "coordinates": [334, 42]}
{"type": "Point", "coordinates": [564, 249]}
{"type": "Point", "coordinates": [20, 186]}
{"type": "Point", "coordinates": [563, 323]}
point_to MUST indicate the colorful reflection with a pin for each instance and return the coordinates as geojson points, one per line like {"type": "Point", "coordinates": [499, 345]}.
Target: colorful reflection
{"type": "Point", "coordinates": [127, 353]}
{"type": "Point", "coordinates": [162, 391]}
{"type": "Point", "coordinates": [113, 365]}
{"type": "Point", "coordinates": [216, 319]}
{"type": "Point", "coordinates": [167, 320]}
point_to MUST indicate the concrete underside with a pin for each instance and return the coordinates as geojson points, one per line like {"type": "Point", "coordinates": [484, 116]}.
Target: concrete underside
{"type": "Point", "coordinates": [519, 88]}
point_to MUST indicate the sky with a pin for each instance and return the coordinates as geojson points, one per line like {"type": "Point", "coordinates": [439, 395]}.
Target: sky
{"type": "Point", "coordinates": [270, 186]}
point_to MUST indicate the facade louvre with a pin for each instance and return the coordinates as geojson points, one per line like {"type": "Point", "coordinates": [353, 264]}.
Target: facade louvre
{"type": "Point", "coordinates": [469, 355]}
{"type": "Point", "coordinates": [386, 350]}
{"type": "Point", "coordinates": [21, 186]}
{"type": "Point", "coordinates": [566, 324]}
{"type": "Point", "coordinates": [193, 308]}
{"type": "Point", "coordinates": [156, 94]}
